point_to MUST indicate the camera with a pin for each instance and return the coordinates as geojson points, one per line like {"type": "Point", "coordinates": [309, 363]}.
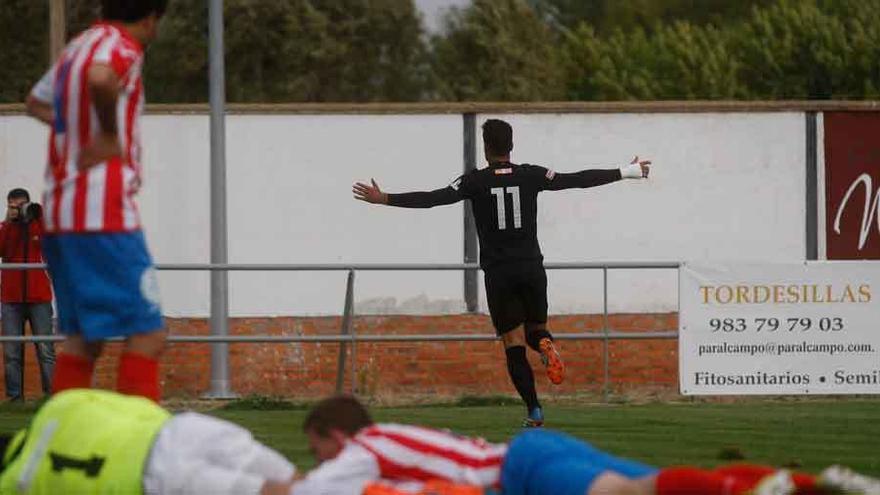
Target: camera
{"type": "Point", "coordinates": [29, 212]}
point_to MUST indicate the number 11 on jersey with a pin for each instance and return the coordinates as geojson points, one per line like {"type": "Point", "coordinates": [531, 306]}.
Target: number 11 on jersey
{"type": "Point", "coordinates": [502, 215]}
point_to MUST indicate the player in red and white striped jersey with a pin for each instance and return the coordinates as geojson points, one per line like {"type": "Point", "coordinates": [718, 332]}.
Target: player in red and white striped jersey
{"type": "Point", "coordinates": [92, 173]}
{"type": "Point", "coordinates": [103, 276]}
{"type": "Point", "coordinates": [355, 452]}
{"type": "Point", "coordinates": [413, 452]}
{"type": "Point", "coordinates": [358, 457]}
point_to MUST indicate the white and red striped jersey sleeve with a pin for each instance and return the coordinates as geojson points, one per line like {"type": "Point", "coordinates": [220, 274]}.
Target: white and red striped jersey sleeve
{"type": "Point", "coordinates": [346, 474]}
{"type": "Point", "coordinates": [405, 457]}
{"type": "Point", "coordinates": [43, 89]}
{"type": "Point", "coordinates": [405, 452]}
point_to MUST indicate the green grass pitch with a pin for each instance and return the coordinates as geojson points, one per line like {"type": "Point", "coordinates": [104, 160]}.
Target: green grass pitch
{"type": "Point", "coordinates": [810, 434]}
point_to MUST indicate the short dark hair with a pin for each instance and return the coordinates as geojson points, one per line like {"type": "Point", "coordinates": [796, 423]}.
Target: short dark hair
{"type": "Point", "coordinates": [18, 193]}
{"type": "Point", "coordinates": [341, 412]}
{"type": "Point", "coordinates": [131, 10]}
{"type": "Point", "coordinates": [498, 137]}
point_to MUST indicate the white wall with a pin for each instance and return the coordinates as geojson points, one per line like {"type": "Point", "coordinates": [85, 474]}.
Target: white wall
{"type": "Point", "coordinates": [22, 154]}
{"type": "Point", "coordinates": [298, 172]}
{"type": "Point", "coordinates": [724, 186]}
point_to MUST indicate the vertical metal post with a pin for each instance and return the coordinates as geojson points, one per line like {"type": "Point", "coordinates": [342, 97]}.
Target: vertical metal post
{"type": "Point", "coordinates": [471, 289]}
{"type": "Point", "coordinates": [347, 317]}
{"type": "Point", "coordinates": [349, 326]}
{"type": "Point", "coordinates": [812, 189]}
{"type": "Point", "coordinates": [57, 27]}
{"type": "Point", "coordinates": [606, 372]}
{"type": "Point", "coordinates": [219, 278]}
{"type": "Point", "coordinates": [680, 326]}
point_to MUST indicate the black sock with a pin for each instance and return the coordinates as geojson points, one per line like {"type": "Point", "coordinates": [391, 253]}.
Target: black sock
{"type": "Point", "coordinates": [533, 338]}
{"type": "Point", "coordinates": [521, 375]}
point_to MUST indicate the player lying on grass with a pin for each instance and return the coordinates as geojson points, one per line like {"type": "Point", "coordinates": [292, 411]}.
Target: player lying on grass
{"type": "Point", "coordinates": [358, 456]}
{"type": "Point", "coordinates": [92, 441]}
{"type": "Point", "coordinates": [504, 197]}
{"type": "Point", "coordinates": [746, 479]}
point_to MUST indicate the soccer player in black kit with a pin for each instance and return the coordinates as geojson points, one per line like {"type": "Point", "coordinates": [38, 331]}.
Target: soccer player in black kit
{"type": "Point", "coordinates": [505, 202]}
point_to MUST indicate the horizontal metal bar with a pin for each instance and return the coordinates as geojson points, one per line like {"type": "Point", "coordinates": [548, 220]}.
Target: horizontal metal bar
{"type": "Point", "coordinates": [253, 339]}
{"type": "Point", "coordinates": [330, 267]}
{"type": "Point", "coordinates": [565, 107]}
{"type": "Point", "coordinates": [22, 266]}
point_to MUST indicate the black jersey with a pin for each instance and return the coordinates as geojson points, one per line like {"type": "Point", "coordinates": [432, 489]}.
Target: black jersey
{"type": "Point", "coordinates": [505, 203]}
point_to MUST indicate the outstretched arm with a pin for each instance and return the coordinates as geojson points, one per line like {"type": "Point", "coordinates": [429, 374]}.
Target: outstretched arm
{"type": "Point", "coordinates": [371, 193]}
{"type": "Point", "coordinates": [39, 100]}
{"type": "Point", "coordinates": [39, 110]}
{"type": "Point", "coordinates": [591, 178]}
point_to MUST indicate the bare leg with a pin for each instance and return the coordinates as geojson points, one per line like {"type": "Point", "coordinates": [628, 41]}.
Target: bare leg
{"type": "Point", "coordinates": [276, 488]}
{"type": "Point", "coordinates": [147, 344]}
{"type": "Point", "coordinates": [614, 484]}
{"type": "Point", "coordinates": [75, 345]}
{"type": "Point", "coordinates": [513, 338]}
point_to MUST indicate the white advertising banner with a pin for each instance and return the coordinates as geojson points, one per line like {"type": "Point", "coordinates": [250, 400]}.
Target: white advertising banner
{"type": "Point", "coordinates": [781, 328]}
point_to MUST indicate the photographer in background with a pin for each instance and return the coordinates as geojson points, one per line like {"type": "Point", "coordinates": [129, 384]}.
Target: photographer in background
{"type": "Point", "coordinates": [26, 295]}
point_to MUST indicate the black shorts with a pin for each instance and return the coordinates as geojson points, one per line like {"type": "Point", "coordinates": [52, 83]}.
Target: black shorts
{"type": "Point", "coordinates": [516, 294]}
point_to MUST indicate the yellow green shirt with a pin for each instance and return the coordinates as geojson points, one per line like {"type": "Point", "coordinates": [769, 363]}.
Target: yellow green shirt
{"type": "Point", "coordinates": [84, 441]}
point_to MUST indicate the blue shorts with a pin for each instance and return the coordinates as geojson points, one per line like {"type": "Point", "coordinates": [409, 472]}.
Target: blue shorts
{"type": "Point", "coordinates": [105, 284]}
{"type": "Point", "coordinates": [540, 462]}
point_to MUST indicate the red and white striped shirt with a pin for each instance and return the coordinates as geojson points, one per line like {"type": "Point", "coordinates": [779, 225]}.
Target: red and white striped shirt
{"type": "Point", "coordinates": [407, 452]}
{"type": "Point", "coordinates": [99, 199]}
{"type": "Point", "coordinates": [405, 456]}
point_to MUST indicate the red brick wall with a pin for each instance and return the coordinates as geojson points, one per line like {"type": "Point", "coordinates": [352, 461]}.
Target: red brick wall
{"type": "Point", "coordinates": [397, 370]}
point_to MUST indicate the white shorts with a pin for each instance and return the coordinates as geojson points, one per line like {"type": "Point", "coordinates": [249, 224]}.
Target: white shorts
{"type": "Point", "coordinates": [198, 454]}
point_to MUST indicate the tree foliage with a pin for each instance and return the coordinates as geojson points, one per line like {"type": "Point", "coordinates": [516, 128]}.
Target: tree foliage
{"type": "Point", "coordinates": [23, 48]}
{"type": "Point", "coordinates": [679, 61]}
{"type": "Point", "coordinates": [497, 50]}
{"type": "Point", "coordinates": [291, 50]}
{"type": "Point", "coordinates": [608, 16]}
{"type": "Point", "coordinates": [798, 49]}
{"type": "Point", "coordinates": [502, 50]}
{"type": "Point", "coordinates": [792, 49]}
{"type": "Point", "coordinates": [296, 50]}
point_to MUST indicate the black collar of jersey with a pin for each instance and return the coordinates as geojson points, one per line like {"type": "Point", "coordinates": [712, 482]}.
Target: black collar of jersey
{"type": "Point", "coordinates": [500, 164]}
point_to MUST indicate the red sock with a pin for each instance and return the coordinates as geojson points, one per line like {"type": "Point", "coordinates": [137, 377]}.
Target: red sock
{"type": "Point", "coordinates": [747, 473]}
{"type": "Point", "coordinates": [71, 371]}
{"type": "Point", "coordinates": [806, 484]}
{"type": "Point", "coordinates": [138, 375]}
{"type": "Point", "coordinates": [693, 481]}
{"type": "Point", "coordinates": [754, 473]}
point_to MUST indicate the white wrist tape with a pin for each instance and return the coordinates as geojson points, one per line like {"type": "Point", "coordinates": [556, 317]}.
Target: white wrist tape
{"type": "Point", "coordinates": [631, 171]}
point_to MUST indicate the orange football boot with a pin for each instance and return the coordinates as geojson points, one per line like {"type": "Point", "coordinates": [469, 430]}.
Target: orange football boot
{"type": "Point", "coordinates": [552, 361]}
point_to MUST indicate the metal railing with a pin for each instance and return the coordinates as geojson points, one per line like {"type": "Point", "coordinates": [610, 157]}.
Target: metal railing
{"type": "Point", "coordinates": [348, 336]}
